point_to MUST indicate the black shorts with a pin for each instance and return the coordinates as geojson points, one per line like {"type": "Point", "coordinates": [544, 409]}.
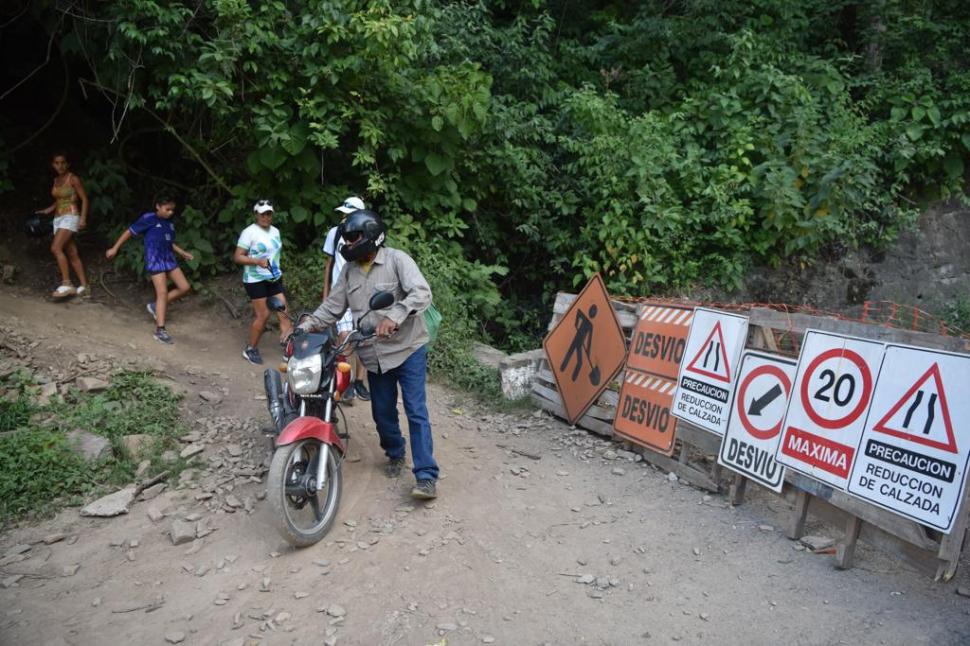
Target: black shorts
{"type": "Point", "coordinates": [264, 289]}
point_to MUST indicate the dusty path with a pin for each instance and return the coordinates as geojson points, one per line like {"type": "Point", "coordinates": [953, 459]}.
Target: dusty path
{"type": "Point", "coordinates": [498, 558]}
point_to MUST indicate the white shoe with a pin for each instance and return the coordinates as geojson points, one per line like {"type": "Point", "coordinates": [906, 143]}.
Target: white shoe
{"type": "Point", "coordinates": [83, 291]}
{"type": "Point", "coordinates": [64, 291]}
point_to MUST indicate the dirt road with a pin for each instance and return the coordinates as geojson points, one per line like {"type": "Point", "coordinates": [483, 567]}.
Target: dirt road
{"type": "Point", "coordinates": [570, 548]}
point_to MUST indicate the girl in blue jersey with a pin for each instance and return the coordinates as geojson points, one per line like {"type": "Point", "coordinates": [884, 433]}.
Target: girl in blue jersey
{"type": "Point", "coordinates": [158, 232]}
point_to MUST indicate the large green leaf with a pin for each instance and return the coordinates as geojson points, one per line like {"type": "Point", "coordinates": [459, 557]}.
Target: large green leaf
{"type": "Point", "coordinates": [297, 140]}
{"type": "Point", "coordinates": [272, 157]}
{"type": "Point", "coordinates": [953, 165]}
{"type": "Point", "coordinates": [299, 214]}
{"type": "Point", "coordinates": [437, 164]}
{"type": "Point", "coordinates": [253, 163]}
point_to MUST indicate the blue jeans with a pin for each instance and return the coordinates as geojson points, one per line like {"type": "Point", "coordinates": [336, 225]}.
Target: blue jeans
{"type": "Point", "coordinates": [411, 376]}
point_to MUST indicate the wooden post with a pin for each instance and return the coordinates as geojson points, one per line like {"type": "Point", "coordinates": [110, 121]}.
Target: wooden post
{"type": "Point", "coordinates": [738, 485]}
{"type": "Point", "coordinates": [768, 338]}
{"type": "Point", "coordinates": [717, 472]}
{"type": "Point", "coordinates": [846, 549]}
{"type": "Point", "coordinates": [796, 522]}
{"type": "Point", "coordinates": [952, 544]}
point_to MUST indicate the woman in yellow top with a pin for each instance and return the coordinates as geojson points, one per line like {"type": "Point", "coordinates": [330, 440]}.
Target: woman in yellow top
{"type": "Point", "coordinates": [68, 220]}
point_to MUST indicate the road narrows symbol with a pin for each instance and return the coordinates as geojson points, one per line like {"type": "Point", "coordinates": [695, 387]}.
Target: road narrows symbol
{"type": "Point", "coordinates": [712, 357]}
{"type": "Point", "coordinates": [921, 424]}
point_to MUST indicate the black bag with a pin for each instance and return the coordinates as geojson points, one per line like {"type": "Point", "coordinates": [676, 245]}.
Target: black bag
{"type": "Point", "coordinates": [35, 227]}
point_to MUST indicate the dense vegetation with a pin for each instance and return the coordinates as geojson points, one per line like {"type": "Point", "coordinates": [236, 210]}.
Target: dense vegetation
{"type": "Point", "coordinates": [517, 147]}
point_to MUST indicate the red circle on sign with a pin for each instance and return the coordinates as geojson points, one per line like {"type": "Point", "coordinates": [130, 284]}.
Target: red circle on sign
{"type": "Point", "coordinates": [777, 373]}
{"type": "Point", "coordinates": [866, 388]}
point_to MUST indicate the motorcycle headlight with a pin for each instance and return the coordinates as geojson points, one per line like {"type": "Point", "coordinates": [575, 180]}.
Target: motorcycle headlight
{"type": "Point", "coordinates": [303, 375]}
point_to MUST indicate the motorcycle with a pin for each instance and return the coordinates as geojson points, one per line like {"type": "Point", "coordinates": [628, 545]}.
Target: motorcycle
{"type": "Point", "coordinates": [305, 479]}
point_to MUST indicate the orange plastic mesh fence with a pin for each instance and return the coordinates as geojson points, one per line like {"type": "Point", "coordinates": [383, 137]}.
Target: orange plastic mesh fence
{"type": "Point", "coordinates": [885, 313]}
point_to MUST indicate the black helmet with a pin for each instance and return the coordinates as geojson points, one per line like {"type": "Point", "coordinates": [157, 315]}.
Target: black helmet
{"type": "Point", "coordinates": [34, 227]}
{"type": "Point", "coordinates": [363, 232]}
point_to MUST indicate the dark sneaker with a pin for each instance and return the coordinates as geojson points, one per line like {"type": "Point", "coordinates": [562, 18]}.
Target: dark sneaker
{"type": "Point", "coordinates": [162, 336]}
{"type": "Point", "coordinates": [362, 391]}
{"type": "Point", "coordinates": [424, 490]}
{"type": "Point", "coordinates": [347, 397]}
{"type": "Point", "coordinates": [252, 355]}
{"type": "Point", "coordinates": [151, 310]}
{"type": "Point", "coordinates": [394, 467]}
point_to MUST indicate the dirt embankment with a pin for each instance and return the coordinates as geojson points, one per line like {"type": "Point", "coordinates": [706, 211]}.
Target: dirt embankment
{"type": "Point", "coordinates": [927, 267]}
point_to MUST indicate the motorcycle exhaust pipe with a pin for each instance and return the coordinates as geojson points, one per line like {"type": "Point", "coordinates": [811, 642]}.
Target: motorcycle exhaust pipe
{"type": "Point", "coordinates": [273, 384]}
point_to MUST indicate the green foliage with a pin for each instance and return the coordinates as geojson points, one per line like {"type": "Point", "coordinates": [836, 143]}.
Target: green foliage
{"type": "Point", "coordinates": [957, 314]}
{"type": "Point", "coordinates": [36, 468]}
{"type": "Point", "coordinates": [14, 413]}
{"type": "Point", "coordinates": [665, 145]}
{"type": "Point", "coordinates": [303, 276]}
{"type": "Point", "coordinates": [39, 471]}
{"type": "Point", "coordinates": [134, 403]}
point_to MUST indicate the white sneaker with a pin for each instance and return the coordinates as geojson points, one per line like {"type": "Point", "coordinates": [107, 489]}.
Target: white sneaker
{"type": "Point", "coordinates": [83, 291]}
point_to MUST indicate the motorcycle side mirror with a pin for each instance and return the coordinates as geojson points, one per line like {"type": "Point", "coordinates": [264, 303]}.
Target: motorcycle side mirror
{"type": "Point", "coordinates": [381, 300]}
{"type": "Point", "coordinates": [378, 301]}
{"type": "Point", "coordinates": [275, 304]}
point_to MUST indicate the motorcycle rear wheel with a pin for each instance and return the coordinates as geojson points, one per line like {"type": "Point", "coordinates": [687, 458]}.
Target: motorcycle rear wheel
{"type": "Point", "coordinates": [302, 517]}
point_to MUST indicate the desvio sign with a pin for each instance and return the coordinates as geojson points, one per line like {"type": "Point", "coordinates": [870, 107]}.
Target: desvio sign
{"type": "Point", "coordinates": [754, 426]}
{"type": "Point", "coordinates": [656, 349]}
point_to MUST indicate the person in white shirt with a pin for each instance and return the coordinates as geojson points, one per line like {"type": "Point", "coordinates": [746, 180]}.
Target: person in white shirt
{"type": "Point", "coordinates": [258, 251]}
{"type": "Point", "coordinates": [334, 265]}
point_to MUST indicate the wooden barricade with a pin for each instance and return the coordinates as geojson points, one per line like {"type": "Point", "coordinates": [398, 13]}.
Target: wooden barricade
{"type": "Point", "coordinates": [696, 451]}
{"type": "Point", "coordinates": [925, 549]}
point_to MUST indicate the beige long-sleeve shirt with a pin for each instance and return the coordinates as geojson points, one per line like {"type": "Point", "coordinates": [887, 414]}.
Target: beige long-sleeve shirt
{"type": "Point", "coordinates": [392, 271]}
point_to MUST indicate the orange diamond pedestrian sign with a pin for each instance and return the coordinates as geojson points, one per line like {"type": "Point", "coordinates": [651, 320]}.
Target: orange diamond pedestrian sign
{"type": "Point", "coordinates": [586, 349]}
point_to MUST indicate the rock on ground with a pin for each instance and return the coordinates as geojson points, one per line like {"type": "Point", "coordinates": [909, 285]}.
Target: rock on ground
{"type": "Point", "coordinates": [182, 532]}
{"type": "Point", "coordinates": [91, 384]}
{"type": "Point", "coordinates": [816, 543]}
{"type": "Point", "coordinates": [88, 445]}
{"type": "Point", "coordinates": [111, 505]}
{"type": "Point", "coordinates": [211, 397]}
{"type": "Point", "coordinates": [136, 444]}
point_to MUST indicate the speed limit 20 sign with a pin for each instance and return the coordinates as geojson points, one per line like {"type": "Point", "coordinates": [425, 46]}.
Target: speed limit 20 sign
{"type": "Point", "coordinates": [829, 404]}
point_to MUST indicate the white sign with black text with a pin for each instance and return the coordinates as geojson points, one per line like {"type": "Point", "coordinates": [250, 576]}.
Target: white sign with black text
{"type": "Point", "coordinates": [709, 368]}
{"type": "Point", "coordinates": [828, 407]}
{"type": "Point", "coordinates": [754, 425]}
{"type": "Point", "coordinates": [912, 457]}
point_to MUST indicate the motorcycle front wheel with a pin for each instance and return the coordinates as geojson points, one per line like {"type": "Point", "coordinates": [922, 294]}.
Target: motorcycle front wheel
{"type": "Point", "coordinates": [303, 515]}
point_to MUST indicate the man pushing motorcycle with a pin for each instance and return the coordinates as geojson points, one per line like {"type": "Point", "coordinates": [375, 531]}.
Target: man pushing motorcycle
{"type": "Point", "coordinates": [398, 355]}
